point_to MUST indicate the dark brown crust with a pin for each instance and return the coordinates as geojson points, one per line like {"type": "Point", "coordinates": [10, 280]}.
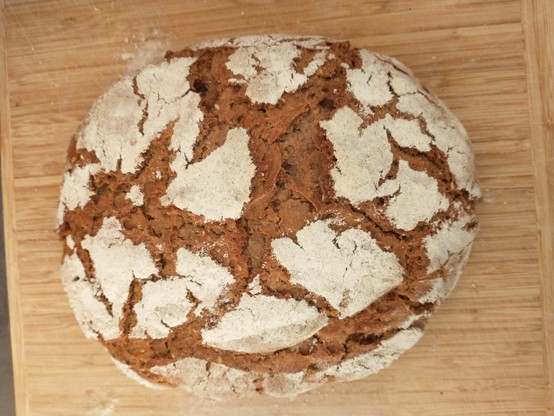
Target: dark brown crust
{"type": "Point", "coordinates": [292, 187]}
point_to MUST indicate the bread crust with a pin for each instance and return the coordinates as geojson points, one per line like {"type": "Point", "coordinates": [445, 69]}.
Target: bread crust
{"type": "Point", "coordinates": [264, 214]}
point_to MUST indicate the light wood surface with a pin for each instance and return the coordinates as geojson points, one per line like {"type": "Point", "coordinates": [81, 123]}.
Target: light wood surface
{"type": "Point", "coordinates": [487, 351]}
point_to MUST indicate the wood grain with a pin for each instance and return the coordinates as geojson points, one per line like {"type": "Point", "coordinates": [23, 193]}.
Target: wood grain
{"type": "Point", "coordinates": [538, 19]}
{"type": "Point", "coordinates": [487, 351]}
{"type": "Point", "coordinates": [9, 224]}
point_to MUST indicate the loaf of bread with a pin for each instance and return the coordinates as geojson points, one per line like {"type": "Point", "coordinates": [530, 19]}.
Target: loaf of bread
{"type": "Point", "coordinates": [264, 214]}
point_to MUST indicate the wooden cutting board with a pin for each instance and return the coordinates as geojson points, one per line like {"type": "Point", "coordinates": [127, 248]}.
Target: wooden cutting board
{"type": "Point", "coordinates": [487, 351]}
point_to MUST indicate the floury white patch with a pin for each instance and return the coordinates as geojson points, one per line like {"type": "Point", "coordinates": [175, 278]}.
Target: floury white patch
{"type": "Point", "coordinates": [135, 195]}
{"type": "Point", "coordinates": [356, 270]}
{"type": "Point", "coordinates": [364, 159]}
{"type": "Point", "coordinates": [364, 156]}
{"type": "Point", "coordinates": [75, 190]}
{"type": "Point", "coordinates": [264, 324]}
{"type": "Point", "coordinates": [266, 65]}
{"type": "Point", "coordinates": [164, 305]}
{"type": "Point", "coordinates": [442, 244]}
{"type": "Point", "coordinates": [264, 214]}
{"type": "Point", "coordinates": [198, 376]}
{"type": "Point", "coordinates": [219, 381]}
{"type": "Point", "coordinates": [377, 359]}
{"type": "Point", "coordinates": [449, 136]}
{"type": "Point", "coordinates": [91, 313]}
{"type": "Point", "coordinates": [117, 261]}
{"type": "Point", "coordinates": [114, 129]}
{"type": "Point", "coordinates": [205, 279]}
{"type": "Point", "coordinates": [369, 84]}
{"type": "Point", "coordinates": [217, 187]}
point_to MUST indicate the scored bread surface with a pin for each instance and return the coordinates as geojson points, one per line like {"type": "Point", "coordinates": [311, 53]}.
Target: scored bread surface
{"type": "Point", "coordinates": [264, 214]}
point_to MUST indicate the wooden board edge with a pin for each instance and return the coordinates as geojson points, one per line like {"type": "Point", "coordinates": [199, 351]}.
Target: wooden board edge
{"type": "Point", "coordinates": [12, 269]}
{"type": "Point", "coordinates": [538, 31]}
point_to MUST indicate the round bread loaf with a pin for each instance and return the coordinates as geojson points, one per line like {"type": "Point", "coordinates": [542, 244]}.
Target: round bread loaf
{"type": "Point", "coordinates": [264, 214]}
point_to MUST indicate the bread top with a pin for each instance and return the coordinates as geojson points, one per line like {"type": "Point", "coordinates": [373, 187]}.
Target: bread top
{"type": "Point", "coordinates": [264, 213]}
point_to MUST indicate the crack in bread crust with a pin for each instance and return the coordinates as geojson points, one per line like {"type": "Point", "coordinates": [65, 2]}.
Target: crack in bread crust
{"type": "Point", "coordinates": [292, 187]}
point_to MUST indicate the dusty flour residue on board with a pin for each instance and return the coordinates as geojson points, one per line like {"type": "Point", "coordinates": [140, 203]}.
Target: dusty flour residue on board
{"type": "Point", "coordinates": [210, 407]}
{"type": "Point", "coordinates": [105, 408]}
{"type": "Point", "coordinates": [144, 49]}
{"type": "Point", "coordinates": [487, 196]}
